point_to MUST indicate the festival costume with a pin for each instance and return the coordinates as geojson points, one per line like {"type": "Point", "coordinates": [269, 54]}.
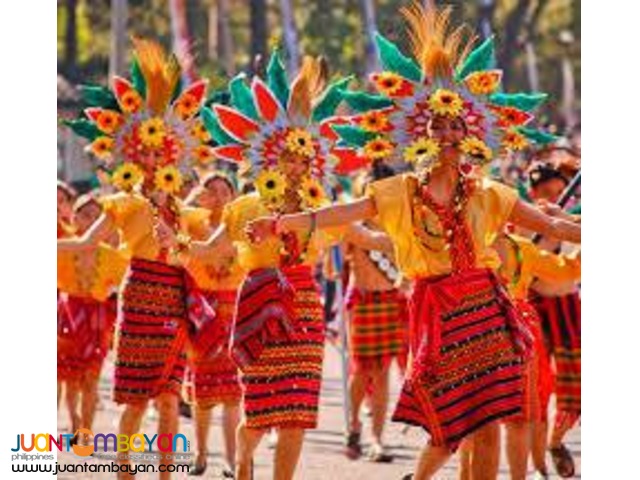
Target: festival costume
{"type": "Point", "coordinates": [525, 263]}
{"type": "Point", "coordinates": [468, 344]}
{"type": "Point", "coordinates": [148, 132]}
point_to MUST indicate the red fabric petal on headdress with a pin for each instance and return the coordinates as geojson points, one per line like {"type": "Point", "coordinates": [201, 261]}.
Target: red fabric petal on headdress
{"type": "Point", "coordinates": [198, 89]}
{"type": "Point", "coordinates": [328, 132]}
{"type": "Point", "coordinates": [349, 161]}
{"type": "Point", "coordinates": [235, 153]}
{"type": "Point", "coordinates": [122, 87]}
{"type": "Point", "coordinates": [92, 113]}
{"type": "Point", "coordinates": [235, 124]}
{"type": "Point", "coordinates": [510, 117]}
{"type": "Point", "coordinates": [265, 100]}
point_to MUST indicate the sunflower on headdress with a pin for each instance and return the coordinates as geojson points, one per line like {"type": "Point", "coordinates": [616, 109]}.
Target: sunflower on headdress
{"type": "Point", "coordinates": [445, 102]}
{"type": "Point", "coordinates": [514, 140]}
{"type": "Point", "coordinates": [378, 148]}
{"type": "Point", "coordinates": [388, 83]}
{"type": "Point", "coordinates": [152, 132]}
{"type": "Point", "coordinates": [127, 176]}
{"type": "Point", "coordinates": [102, 147]}
{"type": "Point", "coordinates": [374, 121]}
{"type": "Point", "coordinates": [311, 193]}
{"type": "Point", "coordinates": [483, 82]}
{"type": "Point", "coordinates": [423, 148]}
{"type": "Point", "coordinates": [186, 106]}
{"type": "Point", "coordinates": [108, 121]}
{"type": "Point", "coordinates": [168, 179]}
{"type": "Point", "coordinates": [203, 154]}
{"type": "Point", "coordinates": [130, 101]}
{"type": "Point", "coordinates": [271, 185]}
{"type": "Point", "coordinates": [300, 141]}
{"type": "Point", "coordinates": [199, 131]}
{"type": "Point", "coordinates": [476, 148]}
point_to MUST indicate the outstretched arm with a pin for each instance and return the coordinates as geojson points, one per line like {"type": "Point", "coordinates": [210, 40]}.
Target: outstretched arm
{"type": "Point", "coordinates": [100, 231]}
{"type": "Point", "coordinates": [367, 239]}
{"type": "Point", "coordinates": [218, 244]}
{"type": "Point", "coordinates": [531, 218]}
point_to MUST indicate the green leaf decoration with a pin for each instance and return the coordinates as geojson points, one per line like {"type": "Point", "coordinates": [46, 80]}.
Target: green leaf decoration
{"type": "Point", "coordinates": [523, 192]}
{"type": "Point", "coordinates": [363, 102]}
{"type": "Point", "coordinates": [99, 96]}
{"type": "Point", "coordinates": [277, 79]}
{"type": "Point", "coordinates": [481, 58]}
{"type": "Point", "coordinates": [241, 97]}
{"type": "Point", "coordinates": [212, 124]}
{"type": "Point", "coordinates": [177, 90]}
{"type": "Point", "coordinates": [393, 60]}
{"type": "Point", "coordinates": [354, 136]}
{"type": "Point", "coordinates": [575, 210]}
{"type": "Point", "coordinates": [521, 101]}
{"type": "Point", "coordinates": [330, 99]}
{"type": "Point", "coordinates": [137, 79]}
{"type": "Point", "coordinates": [537, 136]}
{"type": "Point", "coordinates": [84, 128]}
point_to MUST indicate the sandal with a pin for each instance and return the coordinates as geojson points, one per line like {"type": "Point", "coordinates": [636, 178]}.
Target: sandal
{"type": "Point", "coordinates": [563, 461]}
{"type": "Point", "coordinates": [408, 476]}
{"type": "Point", "coordinates": [354, 449]}
{"type": "Point", "coordinates": [378, 454]}
{"type": "Point", "coordinates": [198, 469]}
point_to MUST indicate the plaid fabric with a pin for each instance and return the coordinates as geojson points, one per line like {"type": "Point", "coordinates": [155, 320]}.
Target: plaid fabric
{"type": "Point", "coordinates": [212, 376]}
{"type": "Point", "coordinates": [467, 368]}
{"type": "Point", "coordinates": [151, 340]}
{"type": "Point", "coordinates": [377, 327]}
{"type": "Point", "coordinates": [282, 387]}
{"type": "Point", "coordinates": [561, 325]}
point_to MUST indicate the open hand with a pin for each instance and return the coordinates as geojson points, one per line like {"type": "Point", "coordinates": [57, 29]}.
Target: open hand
{"type": "Point", "coordinates": [260, 229]}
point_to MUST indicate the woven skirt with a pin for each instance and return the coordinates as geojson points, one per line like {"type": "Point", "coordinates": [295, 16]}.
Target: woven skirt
{"type": "Point", "coordinates": [281, 389]}
{"type": "Point", "coordinates": [212, 377]}
{"type": "Point", "coordinates": [561, 325]}
{"type": "Point", "coordinates": [467, 363]}
{"type": "Point", "coordinates": [378, 328]}
{"type": "Point", "coordinates": [151, 340]}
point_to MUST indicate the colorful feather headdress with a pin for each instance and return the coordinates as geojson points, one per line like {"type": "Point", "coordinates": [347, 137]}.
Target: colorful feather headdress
{"type": "Point", "coordinates": [267, 120]}
{"type": "Point", "coordinates": [444, 77]}
{"type": "Point", "coordinates": [148, 130]}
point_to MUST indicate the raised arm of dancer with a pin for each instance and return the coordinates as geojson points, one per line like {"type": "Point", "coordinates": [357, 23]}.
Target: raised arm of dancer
{"type": "Point", "coordinates": [532, 218]}
{"type": "Point", "coordinates": [100, 231]}
{"type": "Point", "coordinates": [218, 244]}
{"type": "Point", "coordinates": [368, 239]}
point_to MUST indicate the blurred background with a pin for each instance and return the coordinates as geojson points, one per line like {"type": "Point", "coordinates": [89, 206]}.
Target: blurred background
{"type": "Point", "coordinates": [538, 46]}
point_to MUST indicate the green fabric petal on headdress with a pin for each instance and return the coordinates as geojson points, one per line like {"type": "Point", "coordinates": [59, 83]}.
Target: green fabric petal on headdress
{"type": "Point", "coordinates": [241, 96]}
{"type": "Point", "coordinates": [353, 136]}
{"type": "Point", "coordinates": [521, 101]}
{"type": "Point", "coordinates": [99, 96]}
{"type": "Point", "coordinates": [393, 60]}
{"type": "Point", "coordinates": [138, 79]}
{"type": "Point", "coordinates": [523, 191]}
{"type": "Point", "coordinates": [537, 136]}
{"type": "Point", "coordinates": [177, 90]}
{"type": "Point", "coordinates": [277, 79]}
{"type": "Point", "coordinates": [575, 210]}
{"type": "Point", "coordinates": [84, 128]}
{"type": "Point", "coordinates": [212, 124]}
{"type": "Point", "coordinates": [363, 102]}
{"type": "Point", "coordinates": [330, 99]}
{"type": "Point", "coordinates": [481, 58]}
{"type": "Point", "coordinates": [218, 96]}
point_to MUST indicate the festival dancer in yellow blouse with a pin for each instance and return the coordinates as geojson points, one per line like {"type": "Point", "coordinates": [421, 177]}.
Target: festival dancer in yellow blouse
{"type": "Point", "coordinates": [467, 342]}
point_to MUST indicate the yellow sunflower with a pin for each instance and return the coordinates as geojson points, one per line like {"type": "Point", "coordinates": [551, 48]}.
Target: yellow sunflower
{"type": "Point", "coordinates": [476, 148]}
{"type": "Point", "coordinates": [130, 101]}
{"type": "Point", "coordinates": [152, 132]}
{"type": "Point", "coordinates": [483, 83]}
{"type": "Point", "coordinates": [378, 148]}
{"type": "Point", "coordinates": [300, 141]}
{"type": "Point", "coordinates": [271, 185]}
{"type": "Point", "coordinates": [421, 149]}
{"type": "Point", "coordinates": [374, 121]}
{"type": "Point", "coordinates": [203, 154]}
{"type": "Point", "coordinates": [445, 102]}
{"type": "Point", "coordinates": [168, 179]}
{"type": "Point", "coordinates": [199, 131]}
{"type": "Point", "coordinates": [312, 193]}
{"type": "Point", "coordinates": [388, 83]}
{"type": "Point", "coordinates": [514, 140]}
{"type": "Point", "coordinates": [127, 176]}
{"type": "Point", "coordinates": [108, 121]}
{"type": "Point", "coordinates": [187, 106]}
{"type": "Point", "coordinates": [102, 147]}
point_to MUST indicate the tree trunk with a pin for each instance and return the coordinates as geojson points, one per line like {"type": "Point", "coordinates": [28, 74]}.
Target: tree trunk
{"type": "Point", "coordinates": [117, 63]}
{"type": "Point", "coordinates": [181, 39]}
{"type": "Point", "coordinates": [486, 9]}
{"type": "Point", "coordinates": [258, 31]}
{"type": "Point", "coordinates": [225, 41]}
{"type": "Point", "coordinates": [369, 23]}
{"type": "Point", "coordinates": [511, 38]}
{"type": "Point", "coordinates": [71, 36]}
{"type": "Point", "coordinates": [290, 36]}
{"type": "Point", "coordinates": [212, 37]}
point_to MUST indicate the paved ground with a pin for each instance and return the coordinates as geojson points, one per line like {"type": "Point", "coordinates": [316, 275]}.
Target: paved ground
{"type": "Point", "coordinates": [322, 457]}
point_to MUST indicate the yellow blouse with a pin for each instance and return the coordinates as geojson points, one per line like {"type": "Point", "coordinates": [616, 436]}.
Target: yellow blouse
{"type": "Point", "coordinates": [535, 263]}
{"type": "Point", "coordinates": [488, 209]}
{"type": "Point", "coordinates": [92, 274]}
{"type": "Point", "coordinates": [266, 254]}
{"type": "Point", "coordinates": [196, 222]}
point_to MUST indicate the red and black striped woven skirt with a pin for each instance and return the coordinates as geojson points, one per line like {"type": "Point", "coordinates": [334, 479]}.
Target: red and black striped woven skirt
{"type": "Point", "coordinates": [281, 388]}
{"type": "Point", "coordinates": [467, 357]}
{"type": "Point", "coordinates": [151, 339]}
{"type": "Point", "coordinates": [561, 325]}
{"type": "Point", "coordinates": [212, 376]}
{"type": "Point", "coordinates": [378, 328]}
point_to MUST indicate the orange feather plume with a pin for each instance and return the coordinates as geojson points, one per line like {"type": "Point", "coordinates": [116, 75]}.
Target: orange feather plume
{"type": "Point", "coordinates": [308, 84]}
